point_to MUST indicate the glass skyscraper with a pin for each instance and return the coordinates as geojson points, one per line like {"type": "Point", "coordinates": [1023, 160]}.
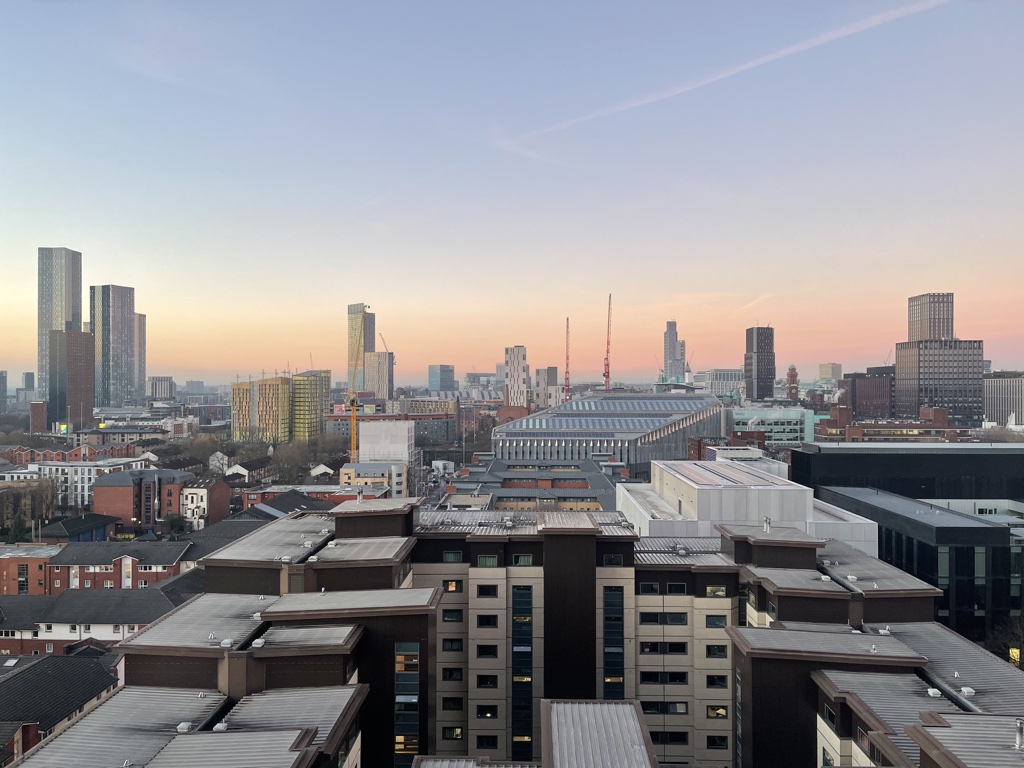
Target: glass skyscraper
{"type": "Point", "coordinates": [59, 303]}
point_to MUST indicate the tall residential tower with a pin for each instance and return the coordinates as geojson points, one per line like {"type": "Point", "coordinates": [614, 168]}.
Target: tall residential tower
{"type": "Point", "coordinates": [359, 319]}
{"type": "Point", "coordinates": [60, 302]}
{"type": "Point", "coordinates": [759, 363]}
{"type": "Point", "coordinates": [517, 377]}
{"type": "Point", "coordinates": [112, 321]}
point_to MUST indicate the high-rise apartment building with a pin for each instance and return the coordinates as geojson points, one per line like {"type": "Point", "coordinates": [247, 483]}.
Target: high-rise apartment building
{"type": "Point", "coordinates": [674, 366]}
{"type": "Point", "coordinates": [72, 371]}
{"type": "Point", "coordinates": [28, 381]}
{"type": "Point", "coordinates": [112, 321]}
{"type": "Point", "coordinates": [935, 369]}
{"type": "Point", "coordinates": [362, 338]}
{"type": "Point", "coordinates": [759, 363]}
{"type": "Point", "coordinates": [261, 410]}
{"type": "Point", "coordinates": [517, 377]}
{"type": "Point", "coordinates": [311, 398]}
{"type": "Point", "coordinates": [1004, 397]}
{"type": "Point", "coordinates": [441, 378]}
{"type": "Point", "coordinates": [3, 391]}
{"type": "Point", "coordinates": [140, 357]}
{"type": "Point", "coordinates": [161, 388]}
{"type": "Point", "coordinates": [59, 301]}
{"type": "Point", "coordinates": [830, 371]}
{"type": "Point", "coordinates": [379, 374]}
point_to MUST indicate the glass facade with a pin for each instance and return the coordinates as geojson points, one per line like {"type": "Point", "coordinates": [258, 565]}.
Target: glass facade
{"type": "Point", "coordinates": [407, 702]}
{"type": "Point", "coordinates": [522, 672]}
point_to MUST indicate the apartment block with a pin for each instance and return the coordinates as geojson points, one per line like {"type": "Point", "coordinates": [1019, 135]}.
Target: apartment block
{"type": "Point", "coordinates": [261, 410]}
{"type": "Point", "coordinates": [311, 397]}
{"type": "Point", "coordinates": [1004, 397]}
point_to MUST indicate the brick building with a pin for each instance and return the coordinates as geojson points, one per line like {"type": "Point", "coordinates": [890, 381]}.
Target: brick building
{"type": "Point", "coordinates": [114, 565]}
{"type": "Point", "coordinates": [140, 499]}
{"type": "Point", "coordinates": [23, 568]}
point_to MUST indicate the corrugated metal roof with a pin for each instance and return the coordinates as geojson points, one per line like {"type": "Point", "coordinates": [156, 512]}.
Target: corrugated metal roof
{"type": "Point", "coordinates": [670, 543]}
{"type": "Point", "coordinates": [376, 505]}
{"type": "Point", "coordinates": [826, 643]}
{"type": "Point", "coordinates": [556, 520]}
{"type": "Point", "coordinates": [872, 574]}
{"type": "Point", "coordinates": [223, 616]}
{"type": "Point", "coordinates": [957, 662]}
{"type": "Point", "coordinates": [293, 708]}
{"type": "Point", "coordinates": [704, 560]}
{"type": "Point", "coordinates": [978, 741]}
{"type": "Point", "coordinates": [286, 537]}
{"type": "Point", "coordinates": [134, 724]}
{"type": "Point", "coordinates": [597, 734]}
{"type": "Point", "coordinates": [795, 578]}
{"type": "Point", "coordinates": [298, 637]}
{"type": "Point", "coordinates": [717, 474]}
{"type": "Point", "coordinates": [756, 533]}
{"type": "Point", "coordinates": [238, 749]}
{"type": "Point", "coordinates": [356, 600]}
{"type": "Point", "coordinates": [344, 550]}
{"type": "Point", "coordinates": [896, 699]}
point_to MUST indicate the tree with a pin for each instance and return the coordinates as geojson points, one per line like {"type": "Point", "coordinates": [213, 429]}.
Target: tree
{"type": "Point", "coordinates": [292, 462]}
{"type": "Point", "coordinates": [18, 532]}
{"type": "Point", "coordinates": [176, 524]}
{"type": "Point", "coordinates": [1006, 636]}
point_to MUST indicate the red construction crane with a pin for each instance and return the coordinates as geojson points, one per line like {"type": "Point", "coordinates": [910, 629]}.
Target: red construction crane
{"type": "Point", "coordinates": [608, 350]}
{"type": "Point", "coordinates": [568, 391]}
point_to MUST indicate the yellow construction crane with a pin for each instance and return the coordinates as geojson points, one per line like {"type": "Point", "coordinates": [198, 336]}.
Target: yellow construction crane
{"type": "Point", "coordinates": [353, 399]}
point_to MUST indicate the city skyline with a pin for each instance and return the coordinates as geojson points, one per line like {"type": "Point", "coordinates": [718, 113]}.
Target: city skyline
{"type": "Point", "coordinates": [802, 169]}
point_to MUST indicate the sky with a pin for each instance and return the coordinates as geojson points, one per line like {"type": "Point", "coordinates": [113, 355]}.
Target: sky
{"type": "Point", "coordinates": [478, 172]}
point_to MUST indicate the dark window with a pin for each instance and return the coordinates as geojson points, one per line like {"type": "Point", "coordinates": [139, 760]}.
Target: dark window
{"type": "Point", "coordinates": [487, 561]}
{"type": "Point", "coordinates": [486, 681]}
{"type": "Point", "coordinates": [486, 712]}
{"type": "Point", "coordinates": [718, 651]}
{"type": "Point", "coordinates": [451, 644]}
{"type": "Point", "coordinates": [718, 681]}
{"type": "Point", "coordinates": [451, 615]}
{"type": "Point", "coordinates": [486, 742]}
{"type": "Point", "coordinates": [451, 734]}
{"type": "Point", "coordinates": [452, 703]}
{"type": "Point", "coordinates": [676, 588]}
{"type": "Point", "coordinates": [677, 678]}
{"type": "Point", "coordinates": [650, 618]}
{"type": "Point", "coordinates": [522, 560]}
{"type": "Point", "coordinates": [452, 585]}
{"type": "Point", "coordinates": [718, 742]}
{"type": "Point", "coordinates": [487, 620]}
{"type": "Point", "coordinates": [676, 648]}
{"type": "Point", "coordinates": [451, 674]}
{"type": "Point", "coordinates": [664, 707]}
{"type": "Point", "coordinates": [486, 590]}
{"type": "Point", "coordinates": [673, 618]}
{"type": "Point", "coordinates": [648, 587]}
{"type": "Point", "coordinates": [715, 622]}
{"type": "Point", "coordinates": [830, 717]}
{"type": "Point", "coordinates": [670, 737]}
{"type": "Point", "coordinates": [613, 561]}
{"type": "Point", "coordinates": [452, 557]}
{"type": "Point", "coordinates": [487, 651]}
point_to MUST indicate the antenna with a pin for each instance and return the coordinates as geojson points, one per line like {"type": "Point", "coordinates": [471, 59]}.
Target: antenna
{"type": "Point", "coordinates": [567, 387]}
{"type": "Point", "coordinates": [608, 350]}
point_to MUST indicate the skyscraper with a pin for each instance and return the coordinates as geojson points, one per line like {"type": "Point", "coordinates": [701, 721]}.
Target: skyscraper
{"type": "Point", "coordinates": [112, 320]}
{"type": "Point", "coordinates": [140, 358]}
{"type": "Point", "coordinates": [934, 368]}
{"type": "Point", "coordinates": [72, 367]}
{"type": "Point", "coordinates": [28, 381]}
{"type": "Point", "coordinates": [3, 391]}
{"type": "Point", "coordinates": [759, 363]}
{"type": "Point", "coordinates": [59, 302]}
{"type": "Point", "coordinates": [360, 319]}
{"type": "Point", "coordinates": [379, 374]}
{"type": "Point", "coordinates": [441, 378]}
{"type": "Point", "coordinates": [517, 377]}
{"type": "Point", "coordinates": [261, 411]}
{"type": "Point", "coordinates": [674, 367]}
{"type": "Point", "coordinates": [311, 398]}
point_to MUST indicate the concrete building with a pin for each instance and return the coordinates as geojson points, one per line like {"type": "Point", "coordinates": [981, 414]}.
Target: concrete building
{"type": "Point", "coordinates": [759, 363]}
{"type": "Point", "coordinates": [517, 377]}
{"type": "Point", "coordinates": [870, 395]}
{"type": "Point", "coordinates": [1004, 397]}
{"type": "Point", "coordinates": [71, 373]}
{"type": "Point", "coordinates": [112, 322]}
{"type": "Point", "coordinates": [161, 388]}
{"type": "Point", "coordinates": [775, 427]}
{"type": "Point", "coordinates": [379, 374]}
{"type": "Point", "coordinates": [441, 378]}
{"type": "Point", "coordinates": [261, 410]}
{"type": "Point", "coordinates": [59, 302]}
{"type": "Point", "coordinates": [377, 473]}
{"type": "Point", "coordinates": [830, 371]}
{"type": "Point", "coordinates": [674, 363]}
{"type": "Point", "coordinates": [547, 390]}
{"type": "Point", "coordinates": [941, 371]}
{"type": "Point", "coordinates": [387, 441]}
{"type": "Point", "coordinates": [310, 402]}
{"type": "Point", "coordinates": [718, 381]}
{"type": "Point", "coordinates": [362, 338]}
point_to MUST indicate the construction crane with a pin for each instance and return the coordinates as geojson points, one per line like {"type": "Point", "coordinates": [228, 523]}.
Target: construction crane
{"type": "Point", "coordinates": [394, 360]}
{"type": "Point", "coordinates": [608, 350]}
{"type": "Point", "coordinates": [568, 391]}
{"type": "Point", "coordinates": [353, 398]}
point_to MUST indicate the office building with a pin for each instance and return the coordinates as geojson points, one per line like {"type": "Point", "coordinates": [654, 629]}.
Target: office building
{"type": "Point", "coordinates": [869, 395]}
{"type": "Point", "coordinates": [362, 338]}
{"type": "Point", "coordinates": [311, 399]}
{"type": "Point", "coordinates": [759, 363]}
{"type": "Point", "coordinates": [379, 374]}
{"type": "Point", "coordinates": [161, 388]}
{"type": "Point", "coordinates": [1004, 397]}
{"type": "Point", "coordinates": [113, 322]}
{"type": "Point", "coordinates": [261, 410]}
{"type": "Point", "coordinates": [441, 378]}
{"type": "Point", "coordinates": [28, 381]}
{"type": "Point", "coordinates": [941, 371]}
{"type": "Point", "coordinates": [770, 427]}
{"type": "Point", "coordinates": [59, 302]}
{"type": "Point", "coordinates": [719, 381]}
{"type": "Point", "coordinates": [830, 371]}
{"type": "Point", "coordinates": [72, 379]}
{"type": "Point", "coordinates": [674, 364]}
{"type": "Point", "coordinates": [140, 359]}
{"type": "Point", "coordinates": [517, 377]}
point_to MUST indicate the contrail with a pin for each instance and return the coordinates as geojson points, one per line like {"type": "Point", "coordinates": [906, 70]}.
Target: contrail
{"type": "Point", "coordinates": [791, 50]}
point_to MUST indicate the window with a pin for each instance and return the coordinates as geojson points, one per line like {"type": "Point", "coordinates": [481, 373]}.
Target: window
{"type": "Point", "coordinates": [648, 587]}
{"type": "Point", "coordinates": [486, 590]}
{"type": "Point", "coordinates": [56, 569]}
{"type": "Point", "coordinates": [830, 717]}
{"type": "Point", "coordinates": [48, 627]}
{"type": "Point", "coordinates": [88, 584]}
{"type": "Point", "coordinates": [452, 645]}
{"type": "Point", "coordinates": [487, 651]}
{"type": "Point", "coordinates": [717, 712]}
{"type": "Point", "coordinates": [451, 615]}
{"type": "Point", "coordinates": [663, 648]}
{"type": "Point", "coordinates": [664, 707]}
{"type": "Point", "coordinates": [487, 620]}
{"type": "Point", "coordinates": [72, 627]}
{"type": "Point", "coordinates": [663, 678]}
{"type": "Point", "coordinates": [451, 585]}
{"type": "Point", "coordinates": [452, 557]}
{"type": "Point", "coordinates": [131, 627]}
{"type": "Point", "coordinates": [117, 627]}
{"type": "Point", "coordinates": [522, 560]}
{"type": "Point", "coordinates": [487, 561]}
{"type": "Point", "coordinates": [49, 647]}
{"type": "Point", "coordinates": [108, 584]}
{"type": "Point", "coordinates": [715, 622]}
{"type": "Point", "coordinates": [486, 742]}
{"type": "Point", "coordinates": [143, 583]}
{"type": "Point", "coordinates": [56, 582]}
{"type": "Point", "coordinates": [612, 561]}
{"type": "Point", "coordinates": [716, 591]}
{"type": "Point", "coordinates": [670, 737]}
{"type": "Point", "coordinates": [772, 610]}
{"type": "Point", "coordinates": [676, 588]}
{"type": "Point", "coordinates": [717, 652]}
{"type": "Point", "coordinates": [87, 627]}
{"type": "Point", "coordinates": [675, 617]}
{"type": "Point", "coordinates": [486, 681]}
{"type": "Point", "coordinates": [451, 674]}
{"type": "Point", "coordinates": [451, 734]}
{"type": "Point", "coordinates": [7, 633]}
{"type": "Point", "coordinates": [486, 712]}
{"type": "Point", "coordinates": [718, 742]}
{"type": "Point", "coordinates": [826, 759]}
{"type": "Point", "coordinates": [452, 703]}
{"type": "Point", "coordinates": [717, 681]}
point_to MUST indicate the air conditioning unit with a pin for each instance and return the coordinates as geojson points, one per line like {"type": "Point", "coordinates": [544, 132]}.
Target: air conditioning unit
{"type": "Point", "coordinates": [935, 693]}
{"type": "Point", "coordinates": [967, 691]}
{"type": "Point", "coordinates": [826, 578]}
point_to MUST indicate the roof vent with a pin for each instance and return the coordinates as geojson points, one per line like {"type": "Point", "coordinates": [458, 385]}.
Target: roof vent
{"type": "Point", "coordinates": [313, 559]}
{"type": "Point", "coordinates": [874, 585]}
{"type": "Point", "coordinates": [873, 648]}
{"type": "Point", "coordinates": [826, 578]}
{"type": "Point", "coordinates": [332, 544]}
{"type": "Point", "coordinates": [851, 577]}
{"type": "Point", "coordinates": [257, 617]}
{"type": "Point", "coordinates": [259, 642]}
{"type": "Point", "coordinates": [967, 691]}
{"type": "Point", "coordinates": [184, 727]}
{"type": "Point", "coordinates": [826, 562]}
{"type": "Point", "coordinates": [262, 597]}
{"type": "Point", "coordinates": [448, 521]}
{"type": "Point", "coordinates": [307, 544]}
{"type": "Point", "coordinates": [325, 530]}
{"type": "Point", "coordinates": [227, 642]}
{"type": "Point", "coordinates": [220, 727]}
{"type": "Point", "coordinates": [885, 631]}
{"type": "Point", "coordinates": [625, 524]}
{"type": "Point", "coordinates": [213, 636]}
{"type": "Point", "coordinates": [935, 693]}
{"type": "Point", "coordinates": [286, 558]}
{"type": "Point", "coordinates": [1019, 741]}
{"type": "Point", "coordinates": [509, 524]}
{"type": "Point", "coordinates": [202, 695]}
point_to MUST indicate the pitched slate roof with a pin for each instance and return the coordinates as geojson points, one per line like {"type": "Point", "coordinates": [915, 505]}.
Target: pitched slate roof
{"type": "Point", "coordinates": [52, 689]}
{"type": "Point", "coordinates": [73, 526]}
{"type": "Point", "coordinates": [184, 586]}
{"type": "Point", "coordinates": [208, 540]}
{"type": "Point", "coordinates": [131, 476]}
{"type": "Point", "coordinates": [104, 552]}
{"type": "Point", "coordinates": [294, 501]}
{"type": "Point", "coordinates": [23, 611]}
{"type": "Point", "coordinates": [84, 606]}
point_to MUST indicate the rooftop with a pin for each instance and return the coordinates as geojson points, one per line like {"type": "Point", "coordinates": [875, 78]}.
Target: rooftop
{"type": "Point", "coordinates": [777, 535]}
{"type": "Point", "coordinates": [795, 580]}
{"type": "Point", "coordinates": [282, 748]}
{"type": "Point", "coordinates": [975, 741]}
{"type": "Point", "coordinates": [873, 577]}
{"type": "Point", "coordinates": [852, 648]}
{"type": "Point", "coordinates": [386, 548]}
{"type": "Point", "coordinates": [356, 506]}
{"type": "Point", "coordinates": [595, 734]}
{"type": "Point", "coordinates": [51, 689]}
{"type": "Point", "coordinates": [84, 606]}
{"type": "Point", "coordinates": [352, 603]}
{"type": "Point", "coordinates": [105, 552]}
{"type": "Point", "coordinates": [74, 526]}
{"type": "Point", "coordinates": [322, 708]}
{"type": "Point", "coordinates": [915, 448]}
{"type": "Point", "coordinates": [723, 474]}
{"type": "Point", "coordinates": [920, 511]}
{"type": "Point", "coordinates": [14, 551]}
{"type": "Point", "coordinates": [294, 538]}
{"type": "Point", "coordinates": [204, 622]}
{"type": "Point", "coordinates": [333, 638]}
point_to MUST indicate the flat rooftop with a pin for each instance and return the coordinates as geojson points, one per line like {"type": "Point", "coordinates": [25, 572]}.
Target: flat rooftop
{"type": "Point", "coordinates": [355, 506]}
{"type": "Point", "coordinates": [795, 580]}
{"type": "Point", "coordinates": [778, 535]}
{"type": "Point", "coordinates": [204, 622]}
{"type": "Point", "coordinates": [335, 638]}
{"type": "Point", "coordinates": [852, 648]}
{"type": "Point", "coordinates": [354, 603]}
{"type": "Point", "coordinates": [322, 708]}
{"type": "Point", "coordinates": [873, 577]}
{"type": "Point", "coordinates": [916, 448]}
{"type": "Point", "coordinates": [919, 511]}
{"type": "Point", "coordinates": [595, 734]}
{"type": "Point", "coordinates": [385, 548]}
{"type": "Point", "coordinates": [280, 748]}
{"type": "Point", "coordinates": [724, 474]}
{"type": "Point", "coordinates": [295, 537]}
